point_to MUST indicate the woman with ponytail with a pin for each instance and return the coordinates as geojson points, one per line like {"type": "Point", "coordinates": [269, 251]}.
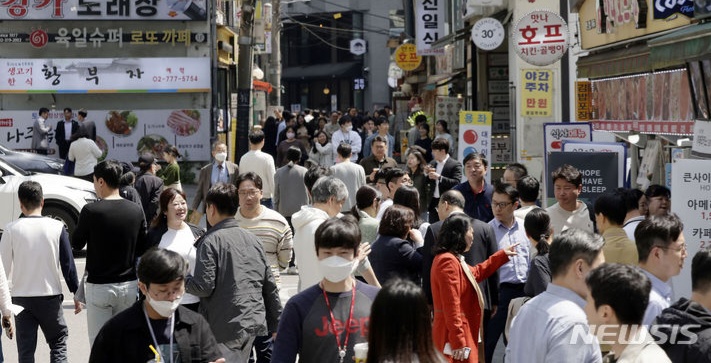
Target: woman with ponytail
{"type": "Point", "coordinates": [539, 231]}
{"type": "Point", "coordinates": [365, 210]}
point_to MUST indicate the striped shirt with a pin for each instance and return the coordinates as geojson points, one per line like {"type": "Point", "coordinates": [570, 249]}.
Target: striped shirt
{"type": "Point", "coordinates": [273, 231]}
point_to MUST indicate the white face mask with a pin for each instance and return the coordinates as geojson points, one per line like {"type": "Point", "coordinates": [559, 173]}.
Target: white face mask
{"type": "Point", "coordinates": [336, 268]}
{"type": "Point", "coordinates": [221, 157]}
{"type": "Point", "coordinates": [164, 308]}
{"type": "Point", "coordinates": [349, 128]}
{"type": "Point", "coordinates": [290, 135]}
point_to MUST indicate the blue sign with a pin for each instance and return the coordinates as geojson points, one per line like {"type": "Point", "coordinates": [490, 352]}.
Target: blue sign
{"type": "Point", "coordinates": [666, 8]}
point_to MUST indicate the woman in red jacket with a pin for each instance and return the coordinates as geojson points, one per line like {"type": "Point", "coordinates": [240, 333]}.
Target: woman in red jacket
{"type": "Point", "coordinates": [458, 302]}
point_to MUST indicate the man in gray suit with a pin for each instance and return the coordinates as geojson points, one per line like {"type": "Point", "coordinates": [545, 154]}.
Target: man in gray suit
{"type": "Point", "coordinates": [40, 132]}
{"type": "Point", "coordinates": [220, 171]}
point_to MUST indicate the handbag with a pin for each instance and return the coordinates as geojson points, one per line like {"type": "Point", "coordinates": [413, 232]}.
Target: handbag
{"type": "Point", "coordinates": [480, 300]}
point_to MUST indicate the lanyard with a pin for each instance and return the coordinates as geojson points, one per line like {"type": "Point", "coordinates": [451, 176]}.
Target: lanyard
{"type": "Point", "coordinates": [341, 348]}
{"type": "Point", "coordinates": [150, 328]}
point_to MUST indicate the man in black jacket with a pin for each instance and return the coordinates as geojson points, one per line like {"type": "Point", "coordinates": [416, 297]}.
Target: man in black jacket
{"type": "Point", "coordinates": [693, 314]}
{"type": "Point", "coordinates": [444, 173]}
{"type": "Point", "coordinates": [64, 131]}
{"type": "Point", "coordinates": [483, 247]}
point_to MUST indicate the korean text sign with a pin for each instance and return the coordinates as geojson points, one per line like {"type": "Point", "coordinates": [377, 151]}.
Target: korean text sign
{"type": "Point", "coordinates": [103, 10]}
{"type": "Point", "coordinates": [555, 133]}
{"type": "Point", "coordinates": [475, 134]}
{"type": "Point", "coordinates": [599, 172]}
{"type": "Point", "coordinates": [86, 75]}
{"type": "Point", "coordinates": [540, 37]}
{"type": "Point", "coordinates": [429, 22]}
{"type": "Point", "coordinates": [536, 92]}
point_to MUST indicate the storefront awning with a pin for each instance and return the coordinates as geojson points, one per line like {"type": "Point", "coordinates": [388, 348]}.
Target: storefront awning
{"type": "Point", "coordinates": [676, 48]}
{"type": "Point", "coordinates": [328, 70]}
{"type": "Point", "coordinates": [634, 59]}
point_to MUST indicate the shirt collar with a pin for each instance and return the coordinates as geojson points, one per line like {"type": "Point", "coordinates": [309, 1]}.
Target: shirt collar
{"type": "Point", "coordinates": [662, 287]}
{"type": "Point", "coordinates": [445, 160]}
{"type": "Point", "coordinates": [566, 293]}
{"type": "Point", "coordinates": [499, 224]}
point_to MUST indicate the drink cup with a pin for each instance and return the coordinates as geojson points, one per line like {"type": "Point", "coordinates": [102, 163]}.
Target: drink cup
{"type": "Point", "coordinates": [361, 352]}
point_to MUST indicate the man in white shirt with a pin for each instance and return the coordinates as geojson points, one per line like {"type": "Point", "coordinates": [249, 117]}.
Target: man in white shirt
{"type": "Point", "coordinates": [36, 250]}
{"type": "Point", "coordinates": [349, 173]}
{"type": "Point", "coordinates": [261, 164]}
{"type": "Point", "coordinates": [636, 210]}
{"type": "Point", "coordinates": [569, 212]}
{"type": "Point", "coordinates": [662, 249]}
{"type": "Point", "coordinates": [545, 328]}
{"type": "Point", "coordinates": [346, 135]}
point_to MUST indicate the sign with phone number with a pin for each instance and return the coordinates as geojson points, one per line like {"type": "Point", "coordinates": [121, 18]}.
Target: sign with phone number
{"type": "Point", "coordinates": [105, 75]}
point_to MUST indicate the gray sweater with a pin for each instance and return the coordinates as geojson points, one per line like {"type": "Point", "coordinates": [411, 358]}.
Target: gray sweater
{"type": "Point", "coordinates": [289, 190]}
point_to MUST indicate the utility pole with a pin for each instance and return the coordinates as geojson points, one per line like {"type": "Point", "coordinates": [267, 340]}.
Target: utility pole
{"type": "Point", "coordinates": [245, 62]}
{"type": "Point", "coordinates": [275, 57]}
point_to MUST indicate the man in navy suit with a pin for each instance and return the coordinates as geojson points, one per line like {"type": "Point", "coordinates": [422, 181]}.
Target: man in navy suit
{"type": "Point", "coordinates": [64, 131]}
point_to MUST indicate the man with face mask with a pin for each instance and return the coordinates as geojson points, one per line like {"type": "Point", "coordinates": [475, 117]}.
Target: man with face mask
{"type": "Point", "coordinates": [338, 303]}
{"type": "Point", "coordinates": [238, 294]}
{"type": "Point", "coordinates": [220, 171]}
{"type": "Point", "coordinates": [158, 321]}
{"type": "Point", "coordinates": [346, 135]}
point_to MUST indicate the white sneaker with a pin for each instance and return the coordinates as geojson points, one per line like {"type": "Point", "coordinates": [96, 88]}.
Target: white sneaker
{"type": "Point", "coordinates": [292, 271]}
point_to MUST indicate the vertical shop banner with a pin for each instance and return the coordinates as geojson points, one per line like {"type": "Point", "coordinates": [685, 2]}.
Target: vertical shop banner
{"type": "Point", "coordinates": [691, 191]}
{"type": "Point", "coordinates": [536, 92]}
{"type": "Point", "coordinates": [583, 100]}
{"type": "Point", "coordinates": [599, 171]}
{"type": "Point", "coordinates": [475, 135]}
{"type": "Point", "coordinates": [122, 134]}
{"type": "Point", "coordinates": [555, 133]}
{"type": "Point", "coordinates": [429, 23]}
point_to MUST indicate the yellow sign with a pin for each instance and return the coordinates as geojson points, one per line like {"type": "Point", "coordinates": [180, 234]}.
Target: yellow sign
{"type": "Point", "coordinates": [536, 92]}
{"type": "Point", "coordinates": [478, 118]}
{"type": "Point", "coordinates": [583, 100]}
{"type": "Point", "coordinates": [406, 57]}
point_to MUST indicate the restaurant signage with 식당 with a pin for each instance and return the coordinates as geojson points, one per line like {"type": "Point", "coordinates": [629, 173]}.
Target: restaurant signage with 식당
{"type": "Point", "coordinates": [87, 75]}
{"type": "Point", "coordinates": [103, 10]}
{"type": "Point", "coordinates": [406, 57]}
{"type": "Point", "coordinates": [540, 37]}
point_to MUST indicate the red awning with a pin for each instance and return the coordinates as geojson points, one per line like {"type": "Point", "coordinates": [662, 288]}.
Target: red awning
{"type": "Point", "coordinates": [262, 86]}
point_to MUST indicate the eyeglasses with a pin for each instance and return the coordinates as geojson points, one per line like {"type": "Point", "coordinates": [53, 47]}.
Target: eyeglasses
{"type": "Point", "coordinates": [500, 205]}
{"type": "Point", "coordinates": [249, 192]}
{"type": "Point", "coordinates": [167, 295]}
{"type": "Point", "coordinates": [676, 249]}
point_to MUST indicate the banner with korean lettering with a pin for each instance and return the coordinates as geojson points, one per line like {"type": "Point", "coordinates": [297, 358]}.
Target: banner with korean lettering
{"type": "Point", "coordinates": [475, 134]}
{"type": "Point", "coordinates": [691, 187]}
{"type": "Point", "coordinates": [429, 23]}
{"type": "Point", "coordinates": [81, 36]}
{"type": "Point", "coordinates": [122, 134]}
{"type": "Point", "coordinates": [105, 75]}
{"type": "Point", "coordinates": [536, 92]}
{"type": "Point", "coordinates": [103, 10]}
{"type": "Point", "coordinates": [583, 100]}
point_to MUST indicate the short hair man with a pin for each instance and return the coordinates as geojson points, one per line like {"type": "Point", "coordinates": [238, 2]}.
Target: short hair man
{"type": "Point", "coordinates": [513, 173]}
{"type": "Point", "coordinates": [508, 230]}
{"type": "Point", "coordinates": [273, 232]}
{"type": "Point", "coordinates": [635, 205]}
{"type": "Point", "coordinates": [333, 126]}
{"type": "Point", "coordinates": [161, 278]}
{"type": "Point", "coordinates": [260, 163]}
{"type": "Point", "coordinates": [383, 126]}
{"type": "Point", "coordinates": [378, 159]}
{"type": "Point", "coordinates": [40, 132]}
{"type": "Point", "coordinates": [662, 249]}
{"type": "Point", "coordinates": [238, 294]}
{"type": "Point", "coordinates": [414, 132]}
{"type": "Point", "coordinates": [544, 327]}
{"type": "Point", "coordinates": [219, 171]}
{"type": "Point", "coordinates": [346, 135]}
{"type": "Point", "coordinates": [64, 131]}
{"type": "Point", "coordinates": [569, 211]}
{"type": "Point", "coordinates": [36, 250]}
{"type": "Point", "coordinates": [475, 190]}
{"type": "Point", "coordinates": [114, 231]}
{"type": "Point", "coordinates": [528, 189]}
{"type": "Point", "coordinates": [618, 295]}
{"type": "Point", "coordinates": [148, 185]}
{"type": "Point", "coordinates": [392, 181]}
{"type": "Point", "coordinates": [444, 174]}
{"type": "Point", "coordinates": [350, 173]}
{"type": "Point", "coordinates": [693, 313]}
{"type": "Point", "coordinates": [484, 245]}
{"type": "Point", "coordinates": [658, 200]}
{"type": "Point", "coordinates": [88, 125]}
{"type": "Point", "coordinates": [609, 215]}
{"type": "Point", "coordinates": [309, 325]}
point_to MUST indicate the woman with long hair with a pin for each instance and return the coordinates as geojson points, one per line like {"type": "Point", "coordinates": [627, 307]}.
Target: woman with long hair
{"type": "Point", "coordinates": [171, 173]}
{"type": "Point", "coordinates": [84, 153]}
{"type": "Point", "coordinates": [416, 165]}
{"type": "Point", "coordinates": [539, 231]}
{"type": "Point", "coordinates": [400, 328]}
{"type": "Point", "coordinates": [409, 197]}
{"type": "Point", "coordinates": [457, 300]}
{"type": "Point", "coordinates": [322, 151]}
{"type": "Point", "coordinates": [442, 132]}
{"type": "Point", "coordinates": [170, 231]}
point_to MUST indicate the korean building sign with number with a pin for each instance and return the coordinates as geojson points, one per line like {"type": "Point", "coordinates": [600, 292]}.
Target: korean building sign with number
{"type": "Point", "coordinates": [536, 92]}
{"type": "Point", "coordinates": [540, 37]}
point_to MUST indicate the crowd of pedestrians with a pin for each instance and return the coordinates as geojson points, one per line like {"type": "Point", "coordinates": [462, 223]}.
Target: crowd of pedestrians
{"type": "Point", "coordinates": [463, 263]}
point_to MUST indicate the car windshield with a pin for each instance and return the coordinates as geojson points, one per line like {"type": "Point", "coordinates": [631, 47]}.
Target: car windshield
{"type": "Point", "coordinates": [5, 166]}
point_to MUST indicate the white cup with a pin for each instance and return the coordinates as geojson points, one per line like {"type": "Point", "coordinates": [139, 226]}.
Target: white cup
{"type": "Point", "coordinates": [361, 352]}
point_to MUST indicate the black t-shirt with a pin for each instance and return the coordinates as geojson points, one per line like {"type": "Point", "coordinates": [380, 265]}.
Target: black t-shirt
{"type": "Point", "coordinates": [161, 329]}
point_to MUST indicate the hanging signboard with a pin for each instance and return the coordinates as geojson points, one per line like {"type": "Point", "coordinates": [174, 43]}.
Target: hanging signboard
{"type": "Point", "coordinates": [540, 37]}
{"type": "Point", "coordinates": [103, 10]}
{"type": "Point", "coordinates": [122, 134]}
{"type": "Point", "coordinates": [105, 75]}
{"type": "Point", "coordinates": [583, 100]}
{"type": "Point", "coordinates": [475, 135]}
{"type": "Point", "coordinates": [536, 92]}
{"type": "Point", "coordinates": [102, 36]}
{"type": "Point", "coordinates": [555, 133]}
{"type": "Point", "coordinates": [429, 25]}
{"type": "Point", "coordinates": [488, 34]}
{"type": "Point", "coordinates": [406, 57]}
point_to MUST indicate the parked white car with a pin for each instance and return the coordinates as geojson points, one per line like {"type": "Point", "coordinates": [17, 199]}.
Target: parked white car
{"type": "Point", "coordinates": [64, 196]}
